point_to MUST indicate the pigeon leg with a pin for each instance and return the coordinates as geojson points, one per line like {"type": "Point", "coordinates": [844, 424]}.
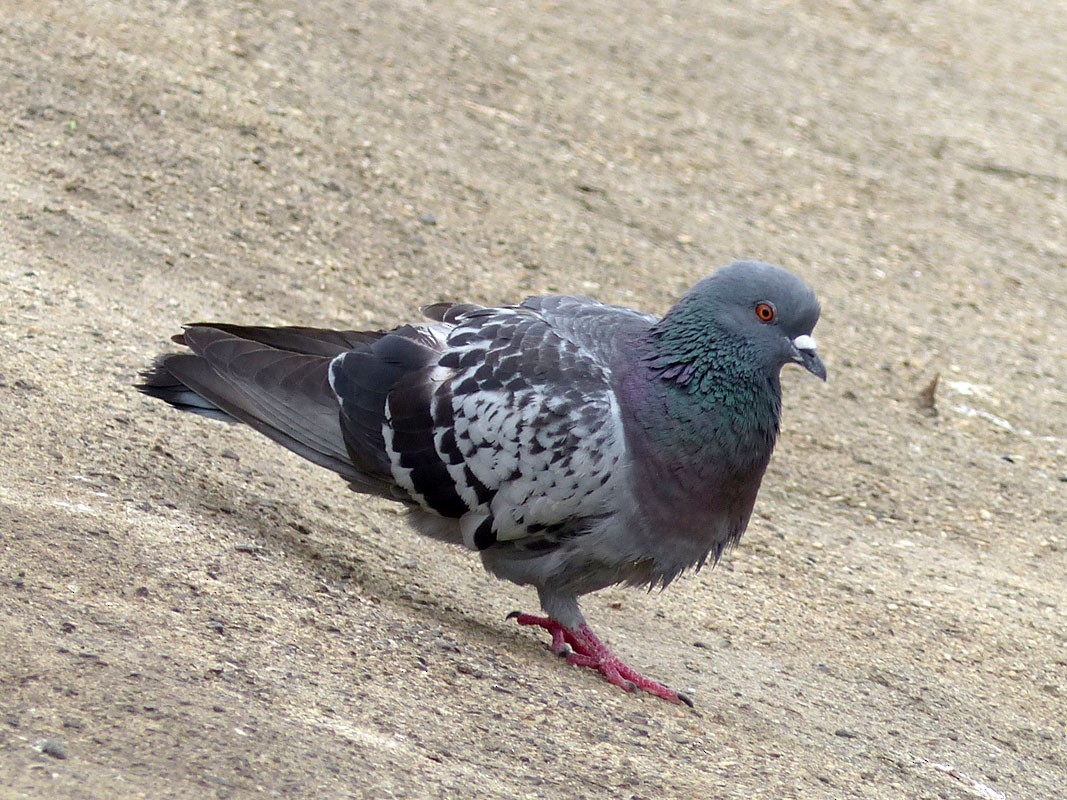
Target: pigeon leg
{"type": "Point", "coordinates": [562, 637]}
{"type": "Point", "coordinates": [589, 651]}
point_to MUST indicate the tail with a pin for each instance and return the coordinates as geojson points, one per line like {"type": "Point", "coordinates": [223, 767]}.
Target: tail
{"type": "Point", "coordinates": [277, 380]}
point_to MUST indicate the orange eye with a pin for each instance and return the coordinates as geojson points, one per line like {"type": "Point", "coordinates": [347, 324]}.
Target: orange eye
{"type": "Point", "coordinates": [765, 312]}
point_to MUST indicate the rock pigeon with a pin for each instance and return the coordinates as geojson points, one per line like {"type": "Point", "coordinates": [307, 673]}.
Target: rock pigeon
{"type": "Point", "coordinates": [574, 445]}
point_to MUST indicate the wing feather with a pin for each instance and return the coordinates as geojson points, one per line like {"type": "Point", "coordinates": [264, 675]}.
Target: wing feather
{"type": "Point", "coordinates": [526, 425]}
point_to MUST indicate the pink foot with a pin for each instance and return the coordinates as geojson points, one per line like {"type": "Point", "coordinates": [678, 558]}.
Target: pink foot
{"type": "Point", "coordinates": [588, 651]}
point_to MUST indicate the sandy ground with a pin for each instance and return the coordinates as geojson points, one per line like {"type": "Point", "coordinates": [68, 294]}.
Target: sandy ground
{"type": "Point", "coordinates": [189, 611]}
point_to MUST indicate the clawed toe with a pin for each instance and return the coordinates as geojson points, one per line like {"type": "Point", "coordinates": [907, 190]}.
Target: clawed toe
{"type": "Point", "coordinates": [582, 648]}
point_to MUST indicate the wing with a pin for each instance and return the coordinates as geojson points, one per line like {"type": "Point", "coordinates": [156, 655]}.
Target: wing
{"type": "Point", "coordinates": [503, 419]}
{"type": "Point", "coordinates": [514, 430]}
{"type": "Point", "coordinates": [601, 330]}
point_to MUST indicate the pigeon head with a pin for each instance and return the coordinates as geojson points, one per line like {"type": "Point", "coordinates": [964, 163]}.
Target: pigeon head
{"type": "Point", "coordinates": [748, 316]}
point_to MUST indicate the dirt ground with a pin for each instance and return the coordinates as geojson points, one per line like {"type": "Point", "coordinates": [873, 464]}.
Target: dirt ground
{"type": "Point", "coordinates": [186, 610]}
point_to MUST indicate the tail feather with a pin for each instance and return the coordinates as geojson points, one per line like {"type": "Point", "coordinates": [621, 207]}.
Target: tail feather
{"type": "Point", "coordinates": [257, 376]}
{"type": "Point", "coordinates": [294, 339]}
{"type": "Point", "coordinates": [159, 382]}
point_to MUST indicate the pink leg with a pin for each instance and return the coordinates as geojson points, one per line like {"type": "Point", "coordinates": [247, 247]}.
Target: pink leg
{"type": "Point", "coordinates": [589, 651]}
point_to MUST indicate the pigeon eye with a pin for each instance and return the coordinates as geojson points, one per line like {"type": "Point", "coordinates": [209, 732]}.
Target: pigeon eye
{"type": "Point", "coordinates": [765, 312]}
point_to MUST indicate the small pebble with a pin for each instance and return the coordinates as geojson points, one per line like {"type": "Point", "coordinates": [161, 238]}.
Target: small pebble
{"type": "Point", "coordinates": [54, 748]}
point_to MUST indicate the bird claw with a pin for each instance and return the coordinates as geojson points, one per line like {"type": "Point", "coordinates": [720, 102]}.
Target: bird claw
{"type": "Point", "coordinates": [582, 648]}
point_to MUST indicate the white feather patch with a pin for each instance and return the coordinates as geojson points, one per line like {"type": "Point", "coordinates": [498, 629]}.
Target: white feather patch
{"type": "Point", "coordinates": [401, 474]}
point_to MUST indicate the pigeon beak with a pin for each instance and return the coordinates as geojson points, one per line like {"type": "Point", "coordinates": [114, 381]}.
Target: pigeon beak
{"type": "Point", "coordinates": [804, 353]}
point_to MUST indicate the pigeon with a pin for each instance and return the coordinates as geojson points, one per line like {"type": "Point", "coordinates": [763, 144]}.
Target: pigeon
{"type": "Point", "coordinates": [573, 444]}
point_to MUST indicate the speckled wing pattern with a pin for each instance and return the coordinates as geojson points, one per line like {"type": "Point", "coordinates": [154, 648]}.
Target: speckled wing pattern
{"type": "Point", "coordinates": [512, 427]}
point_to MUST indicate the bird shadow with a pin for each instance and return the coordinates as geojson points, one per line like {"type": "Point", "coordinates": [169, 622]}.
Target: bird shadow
{"type": "Point", "coordinates": [345, 556]}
